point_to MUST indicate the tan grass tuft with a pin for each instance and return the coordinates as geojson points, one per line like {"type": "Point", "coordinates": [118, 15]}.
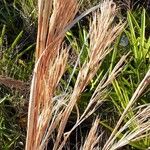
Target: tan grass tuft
{"type": "Point", "coordinates": [54, 17]}
{"type": "Point", "coordinates": [51, 58]}
{"type": "Point", "coordinates": [102, 34]}
{"type": "Point", "coordinates": [92, 139]}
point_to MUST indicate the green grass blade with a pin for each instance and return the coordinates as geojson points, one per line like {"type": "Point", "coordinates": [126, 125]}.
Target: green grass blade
{"type": "Point", "coordinates": [143, 28]}
{"type": "Point", "coordinates": [14, 44]}
{"type": "Point", "coordinates": [2, 35]}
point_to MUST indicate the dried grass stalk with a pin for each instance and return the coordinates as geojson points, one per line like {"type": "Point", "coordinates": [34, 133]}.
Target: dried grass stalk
{"type": "Point", "coordinates": [102, 34]}
{"type": "Point", "coordinates": [92, 139]}
{"type": "Point", "coordinates": [51, 58]}
{"type": "Point", "coordinates": [54, 17]}
{"type": "Point", "coordinates": [42, 92]}
{"type": "Point", "coordinates": [98, 97]}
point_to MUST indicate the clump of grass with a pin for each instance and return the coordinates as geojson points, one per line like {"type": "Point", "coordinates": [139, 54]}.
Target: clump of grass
{"type": "Point", "coordinates": [92, 139]}
{"type": "Point", "coordinates": [135, 70]}
{"type": "Point", "coordinates": [50, 54]}
{"type": "Point", "coordinates": [99, 60]}
{"type": "Point", "coordinates": [139, 132]}
{"type": "Point", "coordinates": [51, 59]}
{"type": "Point", "coordinates": [12, 63]}
{"type": "Point", "coordinates": [144, 83]}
